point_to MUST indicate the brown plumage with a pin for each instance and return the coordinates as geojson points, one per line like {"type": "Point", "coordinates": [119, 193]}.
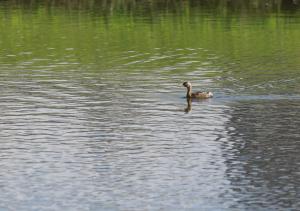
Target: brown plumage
{"type": "Point", "coordinates": [196, 95]}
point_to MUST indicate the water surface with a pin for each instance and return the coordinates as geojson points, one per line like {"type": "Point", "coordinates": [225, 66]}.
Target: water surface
{"type": "Point", "coordinates": [93, 114]}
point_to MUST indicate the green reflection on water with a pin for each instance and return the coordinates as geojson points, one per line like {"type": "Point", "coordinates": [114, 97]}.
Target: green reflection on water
{"type": "Point", "coordinates": [248, 43]}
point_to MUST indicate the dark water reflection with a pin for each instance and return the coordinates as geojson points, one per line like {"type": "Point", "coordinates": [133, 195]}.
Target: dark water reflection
{"type": "Point", "coordinates": [93, 114]}
{"type": "Point", "coordinates": [262, 153]}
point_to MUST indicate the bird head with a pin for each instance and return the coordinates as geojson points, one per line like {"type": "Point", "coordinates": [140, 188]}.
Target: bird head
{"type": "Point", "coordinates": [187, 84]}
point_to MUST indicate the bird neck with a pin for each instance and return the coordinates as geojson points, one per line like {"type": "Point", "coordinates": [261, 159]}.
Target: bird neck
{"type": "Point", "coordinates": [189, 92]}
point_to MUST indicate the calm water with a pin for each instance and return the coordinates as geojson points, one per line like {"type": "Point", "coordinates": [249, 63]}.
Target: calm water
{"type": "Point", "coordinates": [93, 115]}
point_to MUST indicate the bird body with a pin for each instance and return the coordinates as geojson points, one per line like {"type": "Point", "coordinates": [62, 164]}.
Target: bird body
{"type": "Point", "coordinates": [196, 95]}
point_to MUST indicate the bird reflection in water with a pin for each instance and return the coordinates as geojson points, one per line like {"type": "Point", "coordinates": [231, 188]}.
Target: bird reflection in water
{"type": "Point", "coordinates": [188, 107]}
{"type": "Point", "coordinates": [189, 101]}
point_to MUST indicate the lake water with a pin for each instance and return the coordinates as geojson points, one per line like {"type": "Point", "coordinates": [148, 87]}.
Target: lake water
{"type": "Point", "coordinates": [93, 114]}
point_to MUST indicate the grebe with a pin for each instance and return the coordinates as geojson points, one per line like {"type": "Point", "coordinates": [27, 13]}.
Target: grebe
{"type": "Point", "coordinates": [196, 95]}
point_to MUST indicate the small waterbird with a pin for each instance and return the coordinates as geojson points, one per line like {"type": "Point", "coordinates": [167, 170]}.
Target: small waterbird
{"type": "Point", "coordinates": [196, 95]}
